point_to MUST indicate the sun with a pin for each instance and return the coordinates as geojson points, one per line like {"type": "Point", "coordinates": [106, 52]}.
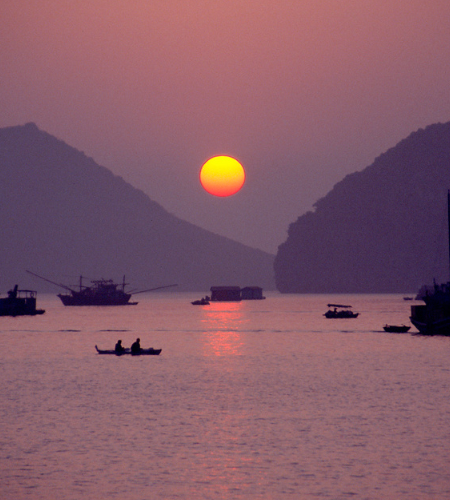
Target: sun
{"type": "Point", "coordinates": [222, 176]}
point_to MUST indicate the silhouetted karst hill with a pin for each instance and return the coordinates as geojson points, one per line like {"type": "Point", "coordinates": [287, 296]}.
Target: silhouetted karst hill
{"type": "Point", "coordinates": [64, 215]}
{"type": "Point", "coordinates": [380, 230]}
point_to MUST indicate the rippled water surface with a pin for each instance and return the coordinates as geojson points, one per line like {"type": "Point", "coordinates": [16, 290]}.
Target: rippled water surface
{"type": "Point", "coordinates": [251, 400]}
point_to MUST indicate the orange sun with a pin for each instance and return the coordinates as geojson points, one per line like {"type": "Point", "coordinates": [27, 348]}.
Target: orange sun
{"type": "Point", "coordinates": [222, 176]}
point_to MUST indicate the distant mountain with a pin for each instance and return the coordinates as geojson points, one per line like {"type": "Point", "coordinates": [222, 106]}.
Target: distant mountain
{"type": "Point", "coordinates": [383, 229]}
{"type": "Point", "coordinates": [63, 215]}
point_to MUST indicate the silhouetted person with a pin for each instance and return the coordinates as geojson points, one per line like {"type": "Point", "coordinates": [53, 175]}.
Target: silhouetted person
{"type": "Point", "coordinates": [119, 347]}
{"type": "Point", "coordinates": [136, 347]}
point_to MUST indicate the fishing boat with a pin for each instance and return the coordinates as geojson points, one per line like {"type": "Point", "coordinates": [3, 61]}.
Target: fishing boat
{"type": "Point", "coordinates": [396, 328]}
{"type": "Point", "coordinates": [433, 317]}
{"type": "Point", "coordinates": [20, 303]}
{"type": "Point", "coordinates": [340, 311]}
{"type": "Point", "coordinates": [143, 352]}
{"type": "Point", "coordinates": [99, 293]}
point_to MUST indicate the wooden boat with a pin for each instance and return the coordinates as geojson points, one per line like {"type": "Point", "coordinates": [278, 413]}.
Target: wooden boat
{"type": "Point", "coordinates": [340, 311]}
{"type": "Point", "coordinates": [19, 303]}
{"type": "Point", "coordinates": [396, 328]}
{"type": "Point", "coordinates": [143, 352]}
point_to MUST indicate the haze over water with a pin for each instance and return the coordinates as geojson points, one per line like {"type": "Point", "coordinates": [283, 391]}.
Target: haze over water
{"type": "Point", "coordinates": [252, 400]}
{"type": "Point", "coordinates": [301, 92]}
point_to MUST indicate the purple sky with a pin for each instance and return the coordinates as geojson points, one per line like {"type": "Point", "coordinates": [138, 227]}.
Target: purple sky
{"type": "Point", "coordinates": [302, 92]}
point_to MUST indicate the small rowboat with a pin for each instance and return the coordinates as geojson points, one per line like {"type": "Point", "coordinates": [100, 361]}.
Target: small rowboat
{"type": "Point", "coordinates": [396, 328]}
{"type": "Point", "coordinates": [201, 302]}
{"type": "Point", "coordinates": [204, 301]}
{"type": "Point", "coordinates": [142, 352]}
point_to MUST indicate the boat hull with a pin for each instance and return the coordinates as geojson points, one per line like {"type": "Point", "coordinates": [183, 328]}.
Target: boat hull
{"type": "Point", "coordinates": [340, 315]}
{"type": "Point", "coordinates": [20, 303]}
{"type": "Point", "coordinates": [20, 312]}
{"type": "Point", "coordinates": [433, 318]}
{"type": "Point", "coordinates": [83, 300]}
{"type": "Point", "coordinates": [396, 328]}
{"type": "Point", "coordinates": [439, 327]}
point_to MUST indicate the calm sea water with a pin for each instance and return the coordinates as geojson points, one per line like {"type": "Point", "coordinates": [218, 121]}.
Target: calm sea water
{"type": "Point", "coordinates": [251, 400]}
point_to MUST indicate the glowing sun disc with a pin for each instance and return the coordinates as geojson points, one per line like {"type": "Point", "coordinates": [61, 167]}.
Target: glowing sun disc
{"type": "Point", "coordinates": [222, 176]}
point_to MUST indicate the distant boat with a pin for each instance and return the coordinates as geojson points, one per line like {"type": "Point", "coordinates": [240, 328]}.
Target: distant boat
{"type": "Point", "coordinates": [20, 303]}
{"type": "Point", "coordinates": [235, 293]}
{"type": "Point", "coordinates": [143, 352]}
{"type": "Point", "coordinates": [226, 294]}
{"type": "Point", "coordinates": [408, 298]}
{"type": "Point", "coordinates": [252, 293]}
{"type": "Point", "coordinates": [340, 311]}
{"type": "Point", "coordinates": [433, 318]}
{"type": "Point", "coordinates": [100, 293]}
{"type": "Point", "coordinates": [204, 301]}
{"type": "Point", "coordinates": [396, 328]}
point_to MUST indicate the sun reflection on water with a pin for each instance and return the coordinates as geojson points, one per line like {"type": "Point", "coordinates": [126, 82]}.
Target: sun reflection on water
{"type": "Point", "coordinates": [223, 323]}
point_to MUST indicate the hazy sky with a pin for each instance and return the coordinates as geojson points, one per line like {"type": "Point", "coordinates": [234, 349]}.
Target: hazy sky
{"type": "Point", "coordinates": [302, 92]}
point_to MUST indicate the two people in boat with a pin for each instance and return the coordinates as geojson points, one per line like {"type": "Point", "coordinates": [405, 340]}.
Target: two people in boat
{"type": "Point", "coordinates": [135, 347]}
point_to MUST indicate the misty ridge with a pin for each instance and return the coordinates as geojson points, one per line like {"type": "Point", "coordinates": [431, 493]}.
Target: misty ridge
{"type": "Point", "coordinates": [381, 230]}
{"type": "Point", "coordinates": [63, 216]}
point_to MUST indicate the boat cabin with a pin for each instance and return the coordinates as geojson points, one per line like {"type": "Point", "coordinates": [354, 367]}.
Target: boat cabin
{"type": "Point", "coordinates": [252, 293]}
{"type": "Point", "coordinates": [19, 303]}
{"type": "Point", "coordinates": [226, 293]}
{"type": "Point", "coordinates": [236, 293]}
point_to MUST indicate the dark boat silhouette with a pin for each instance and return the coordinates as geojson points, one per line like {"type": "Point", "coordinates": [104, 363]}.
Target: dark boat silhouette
{"type": "Point", "coordinates": [433, 318]}
{"type": "Point", "coordinates": [100, 293]}
{"type": "Point", "coordinates": [340, 311]}
{"type": "Point", "coordinates": [204, 301]}
{"type": "Point", "coordinates": [143, 352]}
{"type": "Point", "coordinates": [396, 328]}
{"type": "Point", "coordinates": [20, 303]}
